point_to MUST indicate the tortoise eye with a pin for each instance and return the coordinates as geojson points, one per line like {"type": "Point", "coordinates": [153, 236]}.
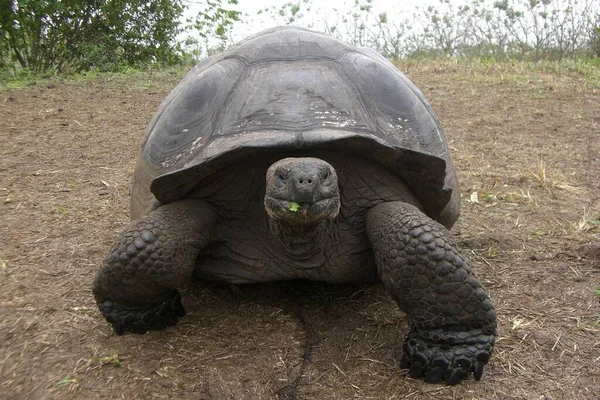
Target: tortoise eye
{"type": "Point", "coordinates": [283, 175]}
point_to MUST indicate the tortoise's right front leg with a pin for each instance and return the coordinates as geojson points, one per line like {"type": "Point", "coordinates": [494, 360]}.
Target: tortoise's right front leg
{"type": "Point", "coordinates": [136, 285]}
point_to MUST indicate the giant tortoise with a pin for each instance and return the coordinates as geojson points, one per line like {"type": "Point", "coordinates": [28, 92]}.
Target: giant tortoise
{"type": "Point", "coordinates": [295, 156]}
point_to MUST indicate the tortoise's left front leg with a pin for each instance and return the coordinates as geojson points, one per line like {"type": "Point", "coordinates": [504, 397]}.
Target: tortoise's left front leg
{"type": "Point", "coordinates": [452, 321]}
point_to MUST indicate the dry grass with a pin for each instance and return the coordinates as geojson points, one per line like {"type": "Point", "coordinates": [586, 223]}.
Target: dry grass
{"type": "Point", "coordinates": [575, 74]}
{"type": "Point", "coordinates": [589, 221]}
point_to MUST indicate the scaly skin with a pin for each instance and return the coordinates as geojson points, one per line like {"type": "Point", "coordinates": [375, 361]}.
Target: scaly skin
{"type": "Point", "coordinates": [136, 285]}
{"type": "Point", "coordinates": [453, 322]}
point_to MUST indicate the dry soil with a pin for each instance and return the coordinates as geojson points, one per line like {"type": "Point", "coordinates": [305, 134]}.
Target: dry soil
{"type": "Point", "coordinates": [525, 139]}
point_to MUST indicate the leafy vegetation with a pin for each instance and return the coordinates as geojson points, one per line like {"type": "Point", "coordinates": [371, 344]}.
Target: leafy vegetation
{"type": "Point", "coordinates": [212, 27]}
{"type": "Point", "coordinates": [523, 29]}
{"type": "Point", "coordinates": [43, 35]}
{"type": "Point", "coordinates": [47, 37]}
{"type": "Point", "coordinates": [71, 35]}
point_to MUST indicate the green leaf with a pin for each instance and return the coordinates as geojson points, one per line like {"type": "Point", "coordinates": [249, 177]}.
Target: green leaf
{"type": "Point", "coordinates": [293, 206]}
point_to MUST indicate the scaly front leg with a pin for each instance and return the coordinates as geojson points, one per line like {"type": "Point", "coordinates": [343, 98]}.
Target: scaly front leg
{"type": "Point", "coordinates": [452, 320]}
{"type": "Point", "coordinates": [136, 285]}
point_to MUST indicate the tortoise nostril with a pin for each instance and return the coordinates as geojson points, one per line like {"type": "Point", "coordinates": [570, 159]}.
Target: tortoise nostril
{"type": "Point", "coordinates": [310, 181]}
{"type": "Point", "coordinates": [301, 181]}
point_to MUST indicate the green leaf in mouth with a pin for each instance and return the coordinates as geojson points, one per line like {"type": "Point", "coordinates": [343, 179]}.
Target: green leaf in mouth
{"type": "Point", "coordinates": [293, 206]}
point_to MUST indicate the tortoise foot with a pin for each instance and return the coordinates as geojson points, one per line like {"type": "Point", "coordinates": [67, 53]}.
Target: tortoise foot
{"type": "Point", "coordinates": [141, 320]}
{"type": "Point", "coordinates": [437, 361]}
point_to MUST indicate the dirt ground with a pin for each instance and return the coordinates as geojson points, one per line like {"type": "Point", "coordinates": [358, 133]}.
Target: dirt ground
{"type": "Point", "coordinates": [526, 142]}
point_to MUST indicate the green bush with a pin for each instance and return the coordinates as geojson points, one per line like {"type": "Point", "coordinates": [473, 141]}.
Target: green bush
{"type": "Point", "coordinates": [43, 35]}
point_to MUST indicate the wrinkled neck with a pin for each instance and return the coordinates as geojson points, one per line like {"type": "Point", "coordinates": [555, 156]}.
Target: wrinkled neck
{"type": "Point", "coordinates": [301, 242]}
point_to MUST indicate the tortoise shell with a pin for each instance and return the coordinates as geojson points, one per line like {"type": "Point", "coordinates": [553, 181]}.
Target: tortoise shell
{"type": "Point", "coordinates": [292, 89]}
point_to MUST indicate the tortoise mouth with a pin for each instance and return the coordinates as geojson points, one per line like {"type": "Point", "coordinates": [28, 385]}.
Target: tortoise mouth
{"type": "Point", "coordinates": [302, 213]}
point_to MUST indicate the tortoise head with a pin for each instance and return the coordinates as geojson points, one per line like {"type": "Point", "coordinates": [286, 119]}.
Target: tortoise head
{"type": "Point", "coordinates": [302, 191]}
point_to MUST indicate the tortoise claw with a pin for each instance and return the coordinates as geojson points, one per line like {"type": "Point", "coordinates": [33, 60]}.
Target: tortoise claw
{"type": "Point", "coordinates": [438, 362]}
{"type": "Point", "coordinates": [478, 370]}
{"type": "Point", "coordinates": [128, 319]}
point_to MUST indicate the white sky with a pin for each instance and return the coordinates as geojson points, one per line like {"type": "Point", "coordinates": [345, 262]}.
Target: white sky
{"type": "Point", "coordinates": [329, 10]}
